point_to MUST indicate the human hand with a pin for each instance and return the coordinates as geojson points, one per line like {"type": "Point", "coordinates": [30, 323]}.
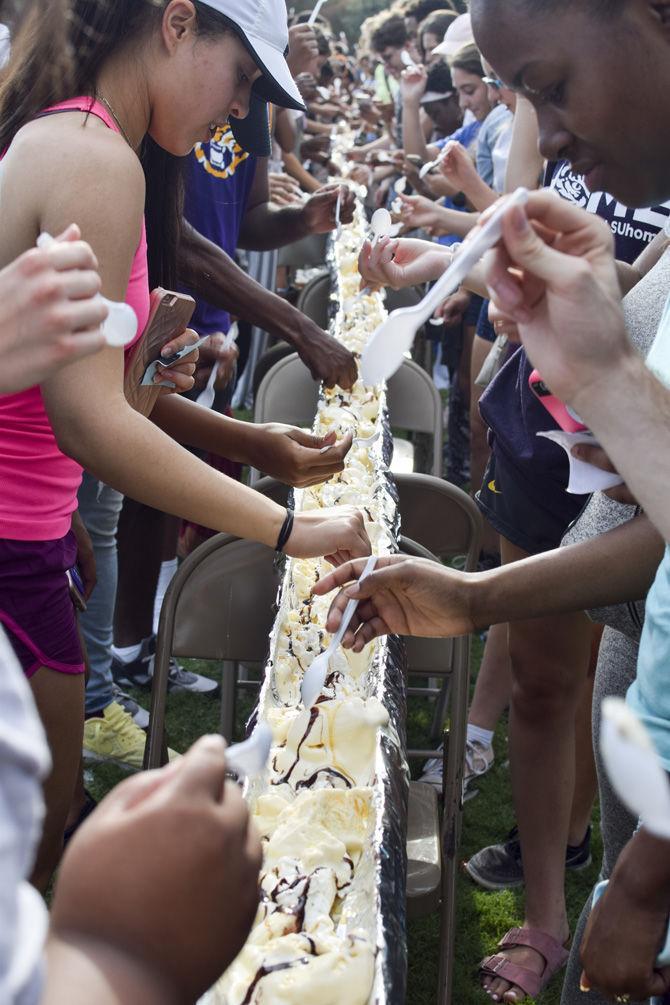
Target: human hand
{"type": "Point", "coordinates": [401, 263]}
{"type": "Point", "coordinates": [458, 168]}
{"type": "Point", "coordinates": [180, 373]}
{"type": "Point", "coordinates": [181, 908]}
{"type": "Point", "coordinates": [85, 555]}
{"type": "Point", "coordinates": [563, 293]}
{"type": "Point", "coordinates": [403, 596]}
{"type": "Point", "coordinates": [413, 83]}
{"type": "Point", "coordinates": [49, 313]}
{"type": "Point", "coordinates": [295, 457]}
{"type": "Point", "coordinates": [326, 359]}
{"type": "Point", "coordinates": [417, 212]}
{"type": "Point", "coordinates": [306, 84]}
{"type": "Point", "coordinates": [338, 533]}
{"type": "Point", "coordinates": [598, 457]}
{"type": "Point", "coordinates": [319, 210]}
{"type": "Point", "coordinates": [284, 190]}
{"type": "Point", "coordinates": [216, 352]}
{"type": "Point", "coordinates": [316, 148]}
{"type": "Point", "coordinates": [502, 324]}
{"type": "Point", "coordinates": [627, 926]}
{"type": "Point", "coordinates": [454, 307]}
{"type": "Point", "coordinates": [303, 49]}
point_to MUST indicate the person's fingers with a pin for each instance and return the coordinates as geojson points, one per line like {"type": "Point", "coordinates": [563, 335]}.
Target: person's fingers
{"type": "Point", "coordinates": [74, 254]}
{"type": "Point", "coordinates": [79, 315]}
{"type": "Point", "coordinates": [133, 791]}
{"type": "Point", "coordinates": [347, 574]}
{"type": "Point", "coordinates": [203, 769]}
{"type": "Point", "coordinates": [71, 233]}
{"type": "Point", "coordinates": [80, 284]}
{"type": "Point", "coordinates": [187, 337]}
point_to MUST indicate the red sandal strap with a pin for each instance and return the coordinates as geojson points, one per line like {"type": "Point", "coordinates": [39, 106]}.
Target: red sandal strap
{"type": "Point", "coordinates": [499, 966]}
{"type": "Point", "coordinates": [554, 953]}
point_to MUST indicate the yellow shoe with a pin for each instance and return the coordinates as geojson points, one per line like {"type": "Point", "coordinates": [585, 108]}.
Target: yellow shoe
{"type": "Point", "coordinates": [113, 736]}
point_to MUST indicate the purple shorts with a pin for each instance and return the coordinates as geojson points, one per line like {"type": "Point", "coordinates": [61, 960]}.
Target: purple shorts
{"type": "Point", "coordinates": [35, 604]}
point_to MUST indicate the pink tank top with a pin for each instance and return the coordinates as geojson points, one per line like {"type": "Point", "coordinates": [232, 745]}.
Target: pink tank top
{"type": "Point", "coordinates": [39, 483]}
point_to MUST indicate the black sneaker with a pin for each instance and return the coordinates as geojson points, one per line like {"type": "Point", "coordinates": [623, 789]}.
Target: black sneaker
{"type": "Point", "coordinates": [499, 866]}
{"type": "Point", "coordinates": [139, 673]}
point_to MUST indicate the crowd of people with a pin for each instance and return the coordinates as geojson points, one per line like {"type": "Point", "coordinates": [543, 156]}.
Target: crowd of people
{"type": "Point", "coordinates": [184, 145]}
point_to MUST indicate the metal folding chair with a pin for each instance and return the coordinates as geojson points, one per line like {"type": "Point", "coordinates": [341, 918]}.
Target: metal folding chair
{"type": "Point", "coordinates": [219, 606]}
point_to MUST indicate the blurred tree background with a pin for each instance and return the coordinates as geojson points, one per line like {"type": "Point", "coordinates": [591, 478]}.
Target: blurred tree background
{"type": "Point", "coordinates": [348, 15]}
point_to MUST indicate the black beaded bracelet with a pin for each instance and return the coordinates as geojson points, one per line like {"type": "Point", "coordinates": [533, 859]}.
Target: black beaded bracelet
{"type": "Point", "coordinates": [285, 532]}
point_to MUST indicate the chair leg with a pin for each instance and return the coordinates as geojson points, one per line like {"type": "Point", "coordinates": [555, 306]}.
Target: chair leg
{"type": "Point", "coordinates": [440, 710]}
{"type": "Point", "coordinates": [454, 754]}
{"type": "Point", "coordinates": [155, 751]}
{"type": "Point", "coordinates": [228, 682]}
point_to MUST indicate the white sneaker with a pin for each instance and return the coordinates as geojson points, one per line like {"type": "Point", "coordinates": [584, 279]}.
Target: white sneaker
{"type": "Point", "coordinates": [479, 759]}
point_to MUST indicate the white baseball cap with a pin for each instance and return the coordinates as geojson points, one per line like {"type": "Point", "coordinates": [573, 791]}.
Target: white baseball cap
{"type": "Point", "coordinates": [458, 34]}
{"type": "Point", "coordinates": [262, 27]}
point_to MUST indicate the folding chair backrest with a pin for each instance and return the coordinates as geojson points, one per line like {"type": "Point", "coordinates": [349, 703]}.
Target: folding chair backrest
{"type": "Point", "coordinates": [415, 404]}
{"type": "Point", "coordinates": [287, 393]}
{"type": "Point", "coordinates": [267, 361]}
{"type": "Point", "coordinates": [314, 299]}
{"type": "Point", "coordinates": [440, 517]}
{"type": "Point", "coordinates": [426, 656]}
{"type": "Point", "coordinates": [220, 603]}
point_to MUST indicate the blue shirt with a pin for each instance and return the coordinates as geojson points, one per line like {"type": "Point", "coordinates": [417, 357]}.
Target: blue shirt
{"type": "Point", "coordinates": [219, 177]}
{"type": "Point", "coordinates": [466, 136]}
{"type": "Point", "coordinates": [498, 120]}
{"type": "Point", "coordinates": [649, 694]}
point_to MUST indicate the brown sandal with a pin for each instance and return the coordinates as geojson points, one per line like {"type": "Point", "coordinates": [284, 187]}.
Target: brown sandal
{"type": "Point", "coordinates": [555, 956]}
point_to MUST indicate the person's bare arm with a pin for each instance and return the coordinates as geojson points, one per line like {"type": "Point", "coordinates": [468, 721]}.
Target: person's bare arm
{"type": "Point", "coordinates": [630, 275]}
{"type": "Point", "coordinates": [412, 89]}
{"type": "Point", "coordinates": [90, 416]}
{"type": "Point", "coordinates": [212, 275]}
{"type": "Point", "coordinates": [294, 168]}
{"type": "Point", "coordinates": [525, 163]}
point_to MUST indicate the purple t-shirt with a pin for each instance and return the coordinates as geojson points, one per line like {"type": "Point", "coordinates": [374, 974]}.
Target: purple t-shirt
{"type": "Point", "coordinates": [219, 177]}
{"type": "Point", "coordinates": [508, 406]}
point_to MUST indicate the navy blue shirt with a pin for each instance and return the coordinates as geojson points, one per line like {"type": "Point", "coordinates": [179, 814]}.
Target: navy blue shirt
{"type": "Point", "coordinates": [219, 177]}
{"type": "Point", "coordinates": [508, 406]}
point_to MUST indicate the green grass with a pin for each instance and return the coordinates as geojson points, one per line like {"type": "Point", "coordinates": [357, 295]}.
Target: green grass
{"type": "Point", "coordinates": [482, 917]}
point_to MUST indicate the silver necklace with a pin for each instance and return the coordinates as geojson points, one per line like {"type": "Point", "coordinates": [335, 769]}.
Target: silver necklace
{"type": "Point", "coordinates": [111, 111]}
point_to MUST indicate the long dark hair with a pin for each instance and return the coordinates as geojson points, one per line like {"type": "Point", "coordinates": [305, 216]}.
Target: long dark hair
{"type": "Point", "coordinates": [58, 49]}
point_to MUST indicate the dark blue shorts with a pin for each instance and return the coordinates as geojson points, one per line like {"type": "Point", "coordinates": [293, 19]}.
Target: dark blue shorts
{"type": "Point", "coordinates": [533, 516]}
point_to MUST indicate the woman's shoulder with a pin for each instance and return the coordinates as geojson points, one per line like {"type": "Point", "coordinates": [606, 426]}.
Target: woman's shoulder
{"type": "Point", "coordinates": [79, 148]}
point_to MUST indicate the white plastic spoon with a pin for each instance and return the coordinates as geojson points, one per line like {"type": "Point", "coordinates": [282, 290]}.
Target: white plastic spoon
{"type": "Point", "coordinates": [427, 168]}
{"type": "Point", "coordinates": [349, 304]}
{"type": "Point", "coordinates": [387, 346]}
{"type": "Point", "coordinates": [169, 361]}
{"type": "Point", "coordinates": [380, 224]}
{"type": "Point", "coordinates": [315, 13]}
{"type": "Point", "coordinates": [208, 393]}
{"type": "Point", "coordinates": [633, 766]}
{"type": "Point", "coordinates": [366, 441]}
{"type": "Point", "coordinates": [407, 60]}
{"type": "Point", "coordinates": [120, 325]}
{"type": "Point", "coordinates": [250, 757]}
{"type": "Point", "coordinates": [401, 186]}
{"type": "Point", "coordinates": [315, 676]}
{"type": "Point", "coordinates": [338, 207]}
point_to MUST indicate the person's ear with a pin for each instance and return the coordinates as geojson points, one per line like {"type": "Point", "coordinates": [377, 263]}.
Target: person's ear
{"type": "Point", "coordinates": [179, 20]}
